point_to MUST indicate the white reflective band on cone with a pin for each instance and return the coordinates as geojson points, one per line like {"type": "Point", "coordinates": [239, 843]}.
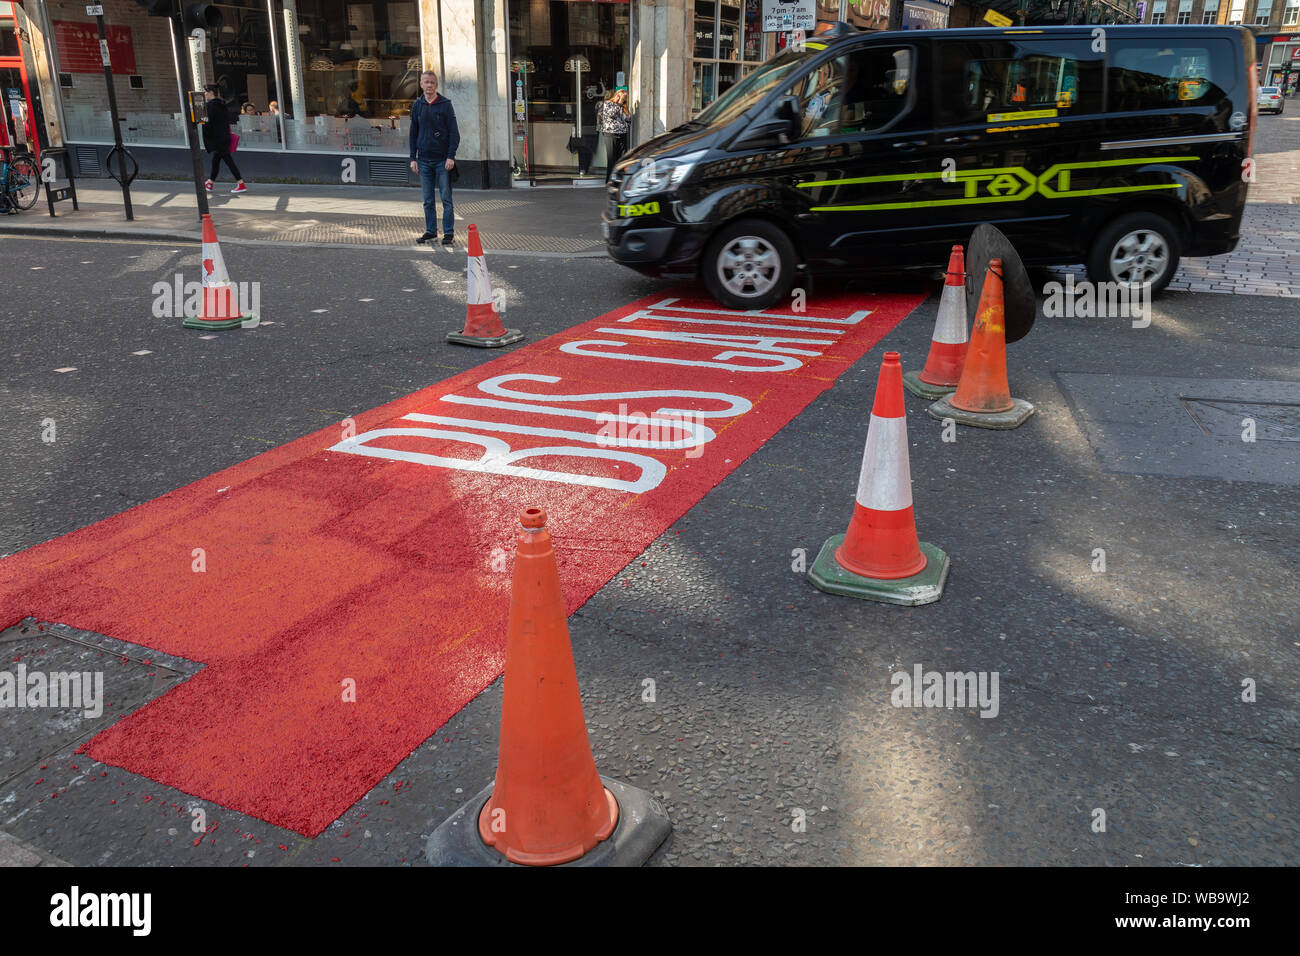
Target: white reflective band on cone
{"type": "Point", "coordinates": [885, 483]}
{"type": "Point", "coordinates": [480, 286]}
{"type": "Point", "coordinates": [219, 276]}
{"type": "Point", "coordinates": [950, 328]}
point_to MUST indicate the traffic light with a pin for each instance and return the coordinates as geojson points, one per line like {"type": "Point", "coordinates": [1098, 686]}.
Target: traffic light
{"type": "Point", "coordinates": [197, 16]}
{"type": "Point", "coordinates": [201, 16]}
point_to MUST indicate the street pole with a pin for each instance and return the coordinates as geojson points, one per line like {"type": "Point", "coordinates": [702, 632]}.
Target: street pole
{"type": "Point", "coordinates": [192, 128]}
{"type": "Point", "coordinates": [97, 11]}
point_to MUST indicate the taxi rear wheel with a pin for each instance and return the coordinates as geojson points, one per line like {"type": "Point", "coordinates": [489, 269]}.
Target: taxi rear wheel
{"type": "Point", "coordinates": [749, 265]}
{"type": "Point", "coordinates": [1137, 249]}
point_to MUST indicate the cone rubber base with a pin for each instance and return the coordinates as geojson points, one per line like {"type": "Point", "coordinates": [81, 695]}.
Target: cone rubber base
{"type": "Point", "coordinates": [912, 382]}
{"type": "Point", "coordinates": [510, 337]}
{"type": "Point", "coordinates": [642, 827]}
{"type": "Point", "coordinates": [1013, 417]}
{"type": "Point", "coordinates": [197, 323]}
{"type": "Point", "coordinates": [926, 587]}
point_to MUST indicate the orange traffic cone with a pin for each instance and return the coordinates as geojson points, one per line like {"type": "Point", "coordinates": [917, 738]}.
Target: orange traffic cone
{"type": "Point", "coordinates": [483, 326]}
{"type": "Point", "coordinates": [880, 557]}
{"type": "Point", "coordinates": [983, 397]}
{"type": "Point", "coordinates": [548, 805]}
{"type": "Point", "coordinates": [948, 343]}
{"type": "Point", "coordinates": [220, 309]}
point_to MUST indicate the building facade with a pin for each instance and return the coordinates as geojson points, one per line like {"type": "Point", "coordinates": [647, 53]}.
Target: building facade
{"type": "Point", "coordinates": [1276, 24]}
{"type": "Point", "coordinates": [318, 82]}
{"type": "Point", "coordinates": [323, 88]}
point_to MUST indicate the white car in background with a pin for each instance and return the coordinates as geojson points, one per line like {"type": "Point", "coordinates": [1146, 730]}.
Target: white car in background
{"type": "Point", "coordinates": [1270, 98]}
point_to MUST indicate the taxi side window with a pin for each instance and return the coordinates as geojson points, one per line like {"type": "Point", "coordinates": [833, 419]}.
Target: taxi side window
{"type": "Point", "coordinates": [855, 93]}
{"type": "Point", "coordinates": [1151, 76]}
{"type": "Point", "coordinates": [983, 78]}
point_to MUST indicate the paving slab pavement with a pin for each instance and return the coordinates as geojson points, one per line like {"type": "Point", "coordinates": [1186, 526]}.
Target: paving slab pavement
{"type": "Point", "coordinates": [563, 222]}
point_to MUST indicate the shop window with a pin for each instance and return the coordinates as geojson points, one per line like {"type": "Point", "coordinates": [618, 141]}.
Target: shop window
{"type": "Point", "coordinates": [8, 39]}
{"type": "Point", "coordinates": [706, 28]}
{"type": "Point", "coordinates": [144, 75]}
{"type": "Point", "coordinates": [729, 41]}
{"type": "Point", "coordinates": [352, 71]}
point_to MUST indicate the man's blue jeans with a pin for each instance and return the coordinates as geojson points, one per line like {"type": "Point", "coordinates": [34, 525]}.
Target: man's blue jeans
{"type": "Point", "coordinates": [434, 175]}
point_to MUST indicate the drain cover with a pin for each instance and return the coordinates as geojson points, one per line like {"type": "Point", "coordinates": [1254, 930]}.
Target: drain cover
{"type": "Point", "coordinates": [1229, 418]}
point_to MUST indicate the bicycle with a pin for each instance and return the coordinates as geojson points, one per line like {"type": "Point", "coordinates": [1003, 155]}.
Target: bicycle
{"type": "Point", "coordinates": [20, 182]}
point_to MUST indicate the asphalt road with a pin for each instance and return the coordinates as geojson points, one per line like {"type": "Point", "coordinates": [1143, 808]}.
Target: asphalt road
{"type": "Point", "coordinates": [1120, 690]}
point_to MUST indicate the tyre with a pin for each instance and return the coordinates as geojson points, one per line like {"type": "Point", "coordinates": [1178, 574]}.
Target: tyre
{"type": "Point", "coordinates": [1138, 248]}
{"type": "Point", "coordinates": [749, 265]}
{"type": "Point", "coordinates": [24, 182]}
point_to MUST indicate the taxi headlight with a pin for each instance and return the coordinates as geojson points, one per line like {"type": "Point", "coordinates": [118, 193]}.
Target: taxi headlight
{"type": "Point", "coordinates": [659, 175]}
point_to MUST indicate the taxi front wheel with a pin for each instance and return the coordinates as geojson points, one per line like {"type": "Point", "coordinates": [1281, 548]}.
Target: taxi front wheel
{"type": "Point", "coordinates": [749, 265]}
{"type": "Point", "coordinates": [1140, 248]}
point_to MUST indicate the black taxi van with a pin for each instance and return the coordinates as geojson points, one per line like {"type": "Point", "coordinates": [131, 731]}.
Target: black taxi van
{"type": "Point", "coordinates": [1120, 147]}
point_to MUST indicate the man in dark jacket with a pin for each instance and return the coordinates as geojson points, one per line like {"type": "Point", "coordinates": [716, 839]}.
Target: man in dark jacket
{"type": "Point", "coordinates": [216, 138]}
{"type": "Point", "coordinates": [434, 138]}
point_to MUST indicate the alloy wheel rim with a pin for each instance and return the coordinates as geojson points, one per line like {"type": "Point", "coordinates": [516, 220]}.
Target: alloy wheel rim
{"type": "Point", "coordinates": [749, 266]}
{"type": "Point", "coordinates": [1140, 257]}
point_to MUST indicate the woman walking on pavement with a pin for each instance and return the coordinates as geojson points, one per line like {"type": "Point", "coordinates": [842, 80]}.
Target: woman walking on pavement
{"type": "Point", "coordinates": [613, 127]}
{"type": "Point", "coordinates": [216, 138]}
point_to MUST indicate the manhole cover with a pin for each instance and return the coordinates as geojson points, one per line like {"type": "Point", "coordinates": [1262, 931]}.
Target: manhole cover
{"type": "Point", "coordinates": [59, 686]}
{"type": "Point", "coordinates": [1229, 418]}
{"type": "Point", "coordinates": [1220, 428]}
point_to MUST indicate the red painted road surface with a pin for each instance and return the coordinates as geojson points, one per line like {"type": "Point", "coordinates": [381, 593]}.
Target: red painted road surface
{"type": "Point", "coordinates": [366, 553]}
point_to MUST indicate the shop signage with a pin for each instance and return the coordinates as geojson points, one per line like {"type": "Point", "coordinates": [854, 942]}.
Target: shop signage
{"type": "Point", "coordinates": [78, 46]}
{"type": "Point", "coordinates": [577, 64]}
{"type": "Point", "coordinates": [869, 14]}
{"type": "Point", "coordinates": [786, 15]}
{"type": "Point", "coordinates": [997, 19]}
{"type": "Point", "coordinates": [924, 16]}
{"type": "Point", "coordinates": [238, 54]}
{"type": "Point", "coordinates": [95, 10]}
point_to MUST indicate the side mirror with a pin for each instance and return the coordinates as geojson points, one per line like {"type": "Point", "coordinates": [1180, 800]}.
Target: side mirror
{"type": "Point", "coordinates": [776, 127]}
{"type": "Point", "coordinates": [787, 107]}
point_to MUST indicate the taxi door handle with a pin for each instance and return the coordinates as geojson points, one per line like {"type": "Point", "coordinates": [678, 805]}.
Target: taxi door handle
{"type": "Point", "coordinates": [908, 144]}
{"type": "Point", "coordinates": [969, 138]}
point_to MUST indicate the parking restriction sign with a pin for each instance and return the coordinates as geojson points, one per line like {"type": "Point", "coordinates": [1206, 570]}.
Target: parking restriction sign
{"type": "Point", "coordinates": [786, 15]}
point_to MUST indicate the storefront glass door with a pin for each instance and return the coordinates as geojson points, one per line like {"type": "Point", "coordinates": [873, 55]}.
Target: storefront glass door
{"type": "Point", "coordinates": [566, 56]}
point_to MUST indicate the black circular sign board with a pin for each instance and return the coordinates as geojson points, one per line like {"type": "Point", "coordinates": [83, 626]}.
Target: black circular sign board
{"type": "Point", "coordinates": [1018, 301]}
